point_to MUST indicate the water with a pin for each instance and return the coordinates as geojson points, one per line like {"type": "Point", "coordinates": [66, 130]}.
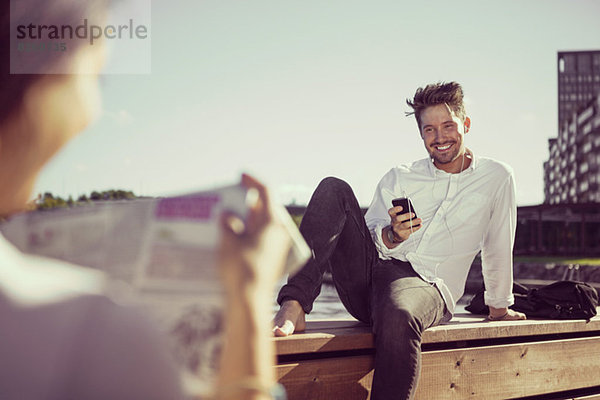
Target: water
{"type": "Point", "coordinates": [329, 306]}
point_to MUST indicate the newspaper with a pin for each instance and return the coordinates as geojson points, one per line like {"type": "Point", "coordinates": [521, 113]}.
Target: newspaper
{"type": "Point", "coordinates": [164, 251]}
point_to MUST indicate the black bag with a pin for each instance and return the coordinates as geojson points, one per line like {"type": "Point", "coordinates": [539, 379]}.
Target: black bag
{"type": "Point", "coordinates": [558, 300]}
{"type": "Point", "coordinates": [562, 300]}
{"type": "Point", "coordinates": [477, 303]}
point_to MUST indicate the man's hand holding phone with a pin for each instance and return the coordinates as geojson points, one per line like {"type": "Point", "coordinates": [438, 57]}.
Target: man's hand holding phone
{"type": "Point", "coordinates": [403, 222]}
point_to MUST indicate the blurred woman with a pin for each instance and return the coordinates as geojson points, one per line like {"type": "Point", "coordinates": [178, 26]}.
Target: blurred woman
{"type": "Point", "coordinates": [61, 337]}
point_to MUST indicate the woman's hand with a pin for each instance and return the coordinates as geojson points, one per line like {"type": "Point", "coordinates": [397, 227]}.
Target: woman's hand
{"type": "Point", "coordinates": [254, 251]}
{"type": "Point", "coordinates": [252, 255]}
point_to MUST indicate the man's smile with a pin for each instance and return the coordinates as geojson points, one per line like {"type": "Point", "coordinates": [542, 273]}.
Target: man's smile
{"type": "Point", "coordinates": [443, 148]}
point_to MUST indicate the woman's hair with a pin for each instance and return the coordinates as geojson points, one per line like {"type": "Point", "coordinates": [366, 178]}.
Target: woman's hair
{"type": "Point", "coordinates": [38, 62]}
{"type": "Point", "coordinates": [450, 93]}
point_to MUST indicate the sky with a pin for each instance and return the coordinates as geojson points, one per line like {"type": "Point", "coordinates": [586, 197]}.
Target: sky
{"type": "Point", "coordinates": [294, 91]}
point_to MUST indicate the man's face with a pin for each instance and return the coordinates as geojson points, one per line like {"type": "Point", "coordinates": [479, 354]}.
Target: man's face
{"type": "Point", "coordinates": [442, 132]}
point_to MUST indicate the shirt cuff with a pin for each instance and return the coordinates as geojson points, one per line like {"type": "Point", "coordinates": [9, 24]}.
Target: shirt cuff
{"type": "Point", "coordinates": [383, 250]}
{"type": "Point", "coordinates": [498, 302]}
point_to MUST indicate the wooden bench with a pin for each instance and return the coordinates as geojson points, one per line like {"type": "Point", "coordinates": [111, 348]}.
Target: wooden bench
{"type": "Point", "coordinates": [468, 357]}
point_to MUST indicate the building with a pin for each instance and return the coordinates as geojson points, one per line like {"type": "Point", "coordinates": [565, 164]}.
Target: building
{"type": "Point", "coordinates": [578, 81]}
{"type": "Point", "coordinates": [572, 172]}
{"type": "Point", "coordinates": [558, 230]}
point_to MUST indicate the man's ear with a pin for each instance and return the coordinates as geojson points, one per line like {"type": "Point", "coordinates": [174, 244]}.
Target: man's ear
{"type": "Point", "coordinates": [467, 124]}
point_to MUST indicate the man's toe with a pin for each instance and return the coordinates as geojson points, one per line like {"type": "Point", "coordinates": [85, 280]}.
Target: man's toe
{"type": "Point", "coordinates": [285, 330]}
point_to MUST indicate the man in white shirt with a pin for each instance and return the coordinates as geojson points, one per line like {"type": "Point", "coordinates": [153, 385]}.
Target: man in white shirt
{"type": "Point", "coordinates": [402, 273]}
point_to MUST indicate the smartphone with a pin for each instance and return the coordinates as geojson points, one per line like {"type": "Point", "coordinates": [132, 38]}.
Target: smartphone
{"type": "Point", "coordinates": [407, 207]}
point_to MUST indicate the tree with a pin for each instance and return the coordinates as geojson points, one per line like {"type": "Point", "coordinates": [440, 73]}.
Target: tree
{"type": "Point", "coordinates": [95, 196]}
{"type": "Point", "coordinates": [48, 200]}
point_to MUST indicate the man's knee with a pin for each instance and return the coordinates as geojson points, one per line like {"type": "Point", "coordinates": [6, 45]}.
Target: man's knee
{"type": "Point", "coordinates": [394, 325]}
{"type": "Point", "coordinates": [333, 184]}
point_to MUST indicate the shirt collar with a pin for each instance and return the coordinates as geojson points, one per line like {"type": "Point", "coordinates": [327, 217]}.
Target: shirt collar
{"type": "Point", "coordinates": [433, 170]}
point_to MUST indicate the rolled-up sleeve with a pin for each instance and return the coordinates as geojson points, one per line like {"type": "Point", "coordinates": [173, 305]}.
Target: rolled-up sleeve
{"type": "Point", "coordinates": [497, 250]}
{"type": "Point", "coordinates": [377, 216]}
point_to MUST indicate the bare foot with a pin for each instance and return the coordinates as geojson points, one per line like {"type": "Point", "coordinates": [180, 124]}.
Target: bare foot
{"type": "Point", "coordinates": [289, 319]}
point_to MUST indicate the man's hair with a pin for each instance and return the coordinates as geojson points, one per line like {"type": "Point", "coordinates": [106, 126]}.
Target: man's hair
{"type": "Point", "coordinates": [450, 94]}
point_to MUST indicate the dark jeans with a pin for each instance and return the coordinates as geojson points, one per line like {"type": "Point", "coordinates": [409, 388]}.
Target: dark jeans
{"type": "Point", "coordinates": [387, 294]}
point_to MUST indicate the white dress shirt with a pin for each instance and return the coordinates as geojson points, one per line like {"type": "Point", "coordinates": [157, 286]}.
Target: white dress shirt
{"type": "Point", "coordinates": [462, 214]}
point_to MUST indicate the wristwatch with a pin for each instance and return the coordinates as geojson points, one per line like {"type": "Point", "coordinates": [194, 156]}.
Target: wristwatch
{"type": "Point", "coordinates": [390, 235]}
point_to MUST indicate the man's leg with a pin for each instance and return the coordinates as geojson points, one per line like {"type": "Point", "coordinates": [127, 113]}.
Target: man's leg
{"type": "Point", "coordinates": [334, 228]}
{"type": "Point", "coordinates": [403, 306]}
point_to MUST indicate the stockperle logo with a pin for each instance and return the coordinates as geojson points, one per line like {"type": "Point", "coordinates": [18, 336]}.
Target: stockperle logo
{"type": "Point", "coordinates": [46, 36]}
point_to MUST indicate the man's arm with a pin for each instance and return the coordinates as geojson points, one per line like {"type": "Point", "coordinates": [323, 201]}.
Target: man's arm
{"type": "Point", "coordinates": [496, 254]}
{"type": "Point", "coordinates": [387, 229]}
{"type": "Point", "coordinates": [386, 234]}
{"type": "Point", "coordinates": [398, 231]}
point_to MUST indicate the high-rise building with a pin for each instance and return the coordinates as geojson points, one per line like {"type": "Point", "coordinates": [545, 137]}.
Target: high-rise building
{"type": "Point", "coordinates": [578, 81]}
{"type": "Point", "coordinates": [572, 172]}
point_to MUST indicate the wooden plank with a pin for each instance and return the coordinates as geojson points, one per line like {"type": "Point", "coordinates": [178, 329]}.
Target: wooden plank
{"type": "Point", "coordinates": [493, 372]}
{"type": "Point", "coordinates": [467, 327]}
{"type": "Point", "coordinates": [507, 371]}
{"type": "Point", "coordinates": [348, 378]}
{"type": "Point", "coordinates": [546, 367]}
{"type": "Point", "coordinates": [333, 324]}
{"type": "Point", "coordinates": [324, 336]}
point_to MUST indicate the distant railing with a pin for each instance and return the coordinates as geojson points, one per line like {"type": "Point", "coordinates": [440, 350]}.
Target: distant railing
{"type": "Point", "coordinates": [559, 230]}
